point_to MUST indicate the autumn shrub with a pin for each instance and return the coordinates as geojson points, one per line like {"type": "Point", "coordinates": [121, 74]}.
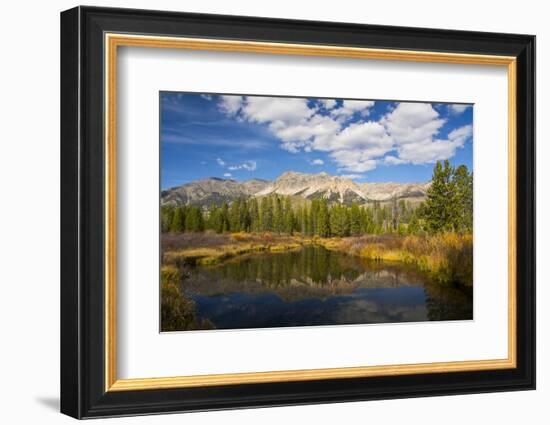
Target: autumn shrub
{"type": "Point", "coordinates": [448, 257]}
{"type": "Point", "coordinates": [178, 312]}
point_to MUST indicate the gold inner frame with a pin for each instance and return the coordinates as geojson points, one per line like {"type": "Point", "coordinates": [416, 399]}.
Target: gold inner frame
{"type": "Point", "coordinates": [113, 41]}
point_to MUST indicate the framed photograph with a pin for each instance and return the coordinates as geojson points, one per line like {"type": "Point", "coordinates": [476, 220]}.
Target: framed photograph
{"type": "Point", "coordinates": [261, 212]}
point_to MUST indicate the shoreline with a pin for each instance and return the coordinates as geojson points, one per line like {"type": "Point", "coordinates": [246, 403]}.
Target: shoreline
{"type": "Point", "coordinates": [444, 256]}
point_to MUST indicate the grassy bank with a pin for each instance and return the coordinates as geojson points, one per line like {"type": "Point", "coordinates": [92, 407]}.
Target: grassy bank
{"type": "Point", "coordinates": [211, 248]}
{"type": "Point", "coordinates": [178, 313]}
{"type": "Point", "coordinates": [447, 257]}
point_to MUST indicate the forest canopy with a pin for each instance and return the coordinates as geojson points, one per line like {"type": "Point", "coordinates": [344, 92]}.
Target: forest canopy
{"type": "Point", "coordinates": [448, 207]}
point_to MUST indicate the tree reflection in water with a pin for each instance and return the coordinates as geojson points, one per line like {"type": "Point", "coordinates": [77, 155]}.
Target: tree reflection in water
{"type": "Point", "coordinates": [315, 286]}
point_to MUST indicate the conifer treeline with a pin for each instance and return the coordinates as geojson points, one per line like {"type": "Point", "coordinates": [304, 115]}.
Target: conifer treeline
{"type": "Point", "coordinates": [448, 207]}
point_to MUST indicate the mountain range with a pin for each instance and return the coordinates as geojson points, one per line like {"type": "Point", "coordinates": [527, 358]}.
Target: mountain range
{"type": "Point", "coordinates": [336, 189]}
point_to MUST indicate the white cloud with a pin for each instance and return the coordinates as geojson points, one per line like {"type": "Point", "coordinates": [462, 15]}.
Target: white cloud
{"type": "Point", "coordinates": [354, 161]}
{"type": "Point", "coordinates": [319, 129]}
{"type": "Point", "coordinates": [462, 134]}
{"type": "Point", "coordinates": [414, 128]}
{"type": "Point", "coordinates": [352, 176]}
{"type": "Point", "coordinates": [350, 107]}
{"type": "Point", "coordinates": [317, 161]}
{"type": "Point", "coordinates": [279, 112]}
{"type": "Point", "coordinates": [230, 105]}
{"type": "Point", "coordinates": [368, 137]}
{"type": "Point", "coordinates": [457, 109]}
{"type": "Point", "coordinates": [412, 123]}
{"type": "Point", "coordinates": [247, 165]}
{"type": "Point", "coordinates": [356, 147]}
{"type": "Point", "coordinates": [429, 151]}
{"type": "Point", "coordinates": [206, 96]}
{"type": "Point", "coordinates": [227, 175]}
{"type": "Point", "coordinates": [407, 133]}
{"type": "Point", "coordinates": [393, 160]}
{"type": "Point", "coordinates": [327, 103]}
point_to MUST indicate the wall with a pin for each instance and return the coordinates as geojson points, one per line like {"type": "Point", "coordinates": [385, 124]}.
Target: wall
{"type": "Point", "coordinates": [29, 225]}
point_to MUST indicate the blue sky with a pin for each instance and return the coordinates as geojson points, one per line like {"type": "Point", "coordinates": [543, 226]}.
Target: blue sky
{"type": "Point", "coordinates": [245, 137]}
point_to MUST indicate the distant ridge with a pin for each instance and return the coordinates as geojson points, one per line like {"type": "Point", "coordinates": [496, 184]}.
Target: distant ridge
{"type": "Point", "coordinates": [336, 189]}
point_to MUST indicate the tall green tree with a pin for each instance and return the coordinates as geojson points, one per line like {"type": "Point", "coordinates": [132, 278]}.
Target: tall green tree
{"type": "Point", "coordinates": [235, 216]}
{"type": "Point", "coordinates": [224, 218]}
{"type": "Point", "coordinates": [355, 219]}
{"type": "Point", "coordinates": [314, 217]}
{"type": "Point", "coordinates": [166, 218]}
{"type": "Point", "coordinates": [463, 199]}
{"type": "Point", "coordinates": [278, 216]}
{"type": "Point", "coordinates": [215, 219]}
{"type": "Point", "coordinates": [440, 210]}
{"type": "Point", "coordinates": [266, 214]}
{"type": "Point", "coordinates": [288, 221]}
{"type": "Point", "coordinates": [323, 219]}
{"type": "Point", "coordinates": [414, 226]}
{"type": "Point", "coordinates": [194, 220]}
{"type": "Point", "coordinates": [178, 220]}
{"type": "Point", "coordinates": [306, 221]}
{"type": "Point", "coordinates": [255, 223]}
{"type": "Point", "coordinates": [449, 203]}
{"type": "Point", "coordinates": [244, 216]}
{"type": "Point", "coordinates": [339, 220]}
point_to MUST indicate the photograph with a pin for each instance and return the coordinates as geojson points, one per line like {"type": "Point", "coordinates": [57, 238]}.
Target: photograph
{"type": "Point", "coordinates": [286, 211]}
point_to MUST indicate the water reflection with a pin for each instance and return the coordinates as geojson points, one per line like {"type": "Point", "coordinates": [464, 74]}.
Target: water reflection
{"type": "Point", "coordinates": [314, 286]}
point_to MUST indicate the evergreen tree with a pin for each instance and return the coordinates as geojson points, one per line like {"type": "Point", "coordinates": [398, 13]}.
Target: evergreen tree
{"type": "Point", "coordinates": [299, 220]}
{"type": "Point", "coordinates": [313, 217]}
{"type": "Point", "coordinates": [266, 214]}
{"type": "Point", "coordinates": [323, 219]}
{"type": "Point", "coordinates": [224, 218]}
{"type": "Point", "coordinates": [336, 220]}
{"type": "Point", "coordinates": [394, 214]}
{"type": "Point", "coordinates": [440, 210]}
{"type": "Point", "coordinates": [244, 216]}
{"type": "Point", "coordinates": [403, 211]}
{"type": "Point", "coordinates": [463, 199]}
{"type": "Point", "coordinates": [166, 218]}
{"type": "Point", "coordinates": [355, 219]}
{"type": "Point", "coordinates": [194, 220]}
{"type": "Point", "coordinates": [288, 222]}
{"type": "Point", "coordinates": [255, 224]}
{"type": "Point", "coordinates": [306, 222]}
{"type": "Point", "coordinates": [235, 217]}
{"type": "Point", "coordinates": [278, 215]}
{"type": "Point", "coordinates": [414, 225]}
{"type": "Point", "coordinates": [215, 219]}
{"type": "Point", "coordinates": [178, 220]}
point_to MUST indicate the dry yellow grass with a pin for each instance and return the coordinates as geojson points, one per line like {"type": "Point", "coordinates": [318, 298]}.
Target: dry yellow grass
{"type": "Point", "coordinates": [234, 245]}
{"type": "Point", "coordinates": [447, 256]}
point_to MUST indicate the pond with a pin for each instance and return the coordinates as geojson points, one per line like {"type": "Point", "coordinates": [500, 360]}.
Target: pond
{"type": "Point", "coordinates": [315, 286]}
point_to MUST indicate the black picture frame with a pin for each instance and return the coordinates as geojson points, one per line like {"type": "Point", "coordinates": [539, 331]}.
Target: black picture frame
{"type": "Point", "coordinates": [83, 392]}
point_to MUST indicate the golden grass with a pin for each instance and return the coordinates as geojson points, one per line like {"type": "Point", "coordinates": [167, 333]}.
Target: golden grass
{"type": "Point", "coordinates": [231, 246]}
{"type": "Point", "coordinates": [178, 312]}
{"type": "Point", "coordinates": [448, 257]}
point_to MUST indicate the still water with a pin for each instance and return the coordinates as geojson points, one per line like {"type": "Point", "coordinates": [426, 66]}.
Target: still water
{"type": "Point", "coordinates": [315, 286]}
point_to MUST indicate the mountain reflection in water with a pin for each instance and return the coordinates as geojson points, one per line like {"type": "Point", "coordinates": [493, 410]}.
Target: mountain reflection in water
{"type": "Point", "coordinates": [315, 286]}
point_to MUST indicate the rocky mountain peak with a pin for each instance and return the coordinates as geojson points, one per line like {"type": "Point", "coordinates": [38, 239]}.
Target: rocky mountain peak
{"type": "Point", "coordinates": [336, 189]}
